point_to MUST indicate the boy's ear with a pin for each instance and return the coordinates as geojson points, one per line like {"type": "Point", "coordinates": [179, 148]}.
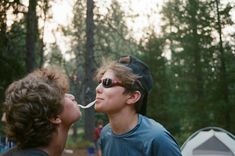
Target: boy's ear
{"type": "Point", "coordinates": [55, 120]}
{"type": "Point", "coordinates": [133, 97]}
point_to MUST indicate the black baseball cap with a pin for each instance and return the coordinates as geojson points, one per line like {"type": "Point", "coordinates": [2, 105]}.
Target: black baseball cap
{"type": "Point", "coordinates": [145, 78]}
{"type": "Point", "coordinates": [139, 68]}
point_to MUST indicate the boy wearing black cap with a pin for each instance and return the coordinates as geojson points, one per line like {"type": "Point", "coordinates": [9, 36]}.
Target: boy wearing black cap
{"type": "Point", "coordinates": [122, 94]}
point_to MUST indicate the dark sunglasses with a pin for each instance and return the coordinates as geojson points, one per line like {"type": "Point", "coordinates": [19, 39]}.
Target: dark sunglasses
{"type": "Point", "coordinates": [108, 83]}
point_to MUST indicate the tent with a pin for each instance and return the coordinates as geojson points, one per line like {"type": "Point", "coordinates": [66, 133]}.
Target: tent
{"type": "Point", "coordinates": [209, 141]}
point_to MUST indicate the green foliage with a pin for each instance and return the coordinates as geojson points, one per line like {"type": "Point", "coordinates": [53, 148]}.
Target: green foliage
{"type": "Point", "coordinates": [12, 57]}
{"type": "Point", "coordinates": [187, 93]}
{"type": "Point", "coordinates": [78, 142]}
{"type": "Point", "coordinates": [188, 86]}
{"type": "Point", "coordinates": [111, 34]}
{"type": "Point", "coordinates": [13, 44]}
{"type": "Point", "coordinates": [11, 48]}
{"type": "Point", "coordinates": [55, 57]}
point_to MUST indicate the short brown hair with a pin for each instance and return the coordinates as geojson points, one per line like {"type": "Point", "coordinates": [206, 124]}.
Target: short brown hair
{"type": "Point", "coordinates": [30, 102]}
{"type": "Point", "coordinates": [125, 75]}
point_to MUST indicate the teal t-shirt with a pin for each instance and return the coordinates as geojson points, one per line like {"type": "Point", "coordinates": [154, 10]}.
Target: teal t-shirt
{"type": "Point", "coordinates": [148, 138]}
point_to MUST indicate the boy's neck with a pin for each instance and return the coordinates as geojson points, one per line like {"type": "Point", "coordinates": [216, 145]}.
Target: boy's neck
{"type": "Point", "coordinates": [57, 144]}
{"type": "Point", "coordinates": [123, 122]}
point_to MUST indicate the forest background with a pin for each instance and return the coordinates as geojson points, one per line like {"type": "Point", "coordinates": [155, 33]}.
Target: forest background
{"type": "Point", "coordinates": [192, 58]}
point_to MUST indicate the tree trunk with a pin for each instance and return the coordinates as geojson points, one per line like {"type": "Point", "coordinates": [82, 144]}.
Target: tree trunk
{"type": "Point", "coordinates": [89, 72]}
{"type": "Point", "coordinates": [197, 85]}
{"type": "Point", "coordinates": [31, 26]}
{"type": "Point", "coordinates": [223, 75]}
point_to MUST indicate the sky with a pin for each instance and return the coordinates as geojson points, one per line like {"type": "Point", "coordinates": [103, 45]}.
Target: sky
{"type": "Point", "coordinates": [147, 10]}
{"type": "Point", "coordinates": [62, 10]}
{"type": "Point", "coordinates": [62, 15]}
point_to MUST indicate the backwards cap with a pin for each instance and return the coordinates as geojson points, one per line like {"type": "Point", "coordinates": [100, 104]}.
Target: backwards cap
{"type": "Point", "coordinates": [145, 78]}
{"type": "Point", "coordinates": [139, 68]}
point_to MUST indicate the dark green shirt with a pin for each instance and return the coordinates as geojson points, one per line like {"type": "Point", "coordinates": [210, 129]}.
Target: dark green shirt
{"type": "Point", "coordinates": [24, 152]}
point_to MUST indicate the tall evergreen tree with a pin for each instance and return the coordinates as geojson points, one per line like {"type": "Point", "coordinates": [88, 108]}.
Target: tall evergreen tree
{"type": "Point", "coordinates": [158, 104]}
{"type": "Point", "coordinates": [31, 35]}
{"type": "Point", "coordinates": [89, 71]}
{"type": "Point", "coordinates": [222, 94]}
{"type": "Point", "coordinates": [189, 27]}
{"type": "Point", "coordinates": [11, 45]}
{"type": "Point", "coordinates": [111, 33]}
